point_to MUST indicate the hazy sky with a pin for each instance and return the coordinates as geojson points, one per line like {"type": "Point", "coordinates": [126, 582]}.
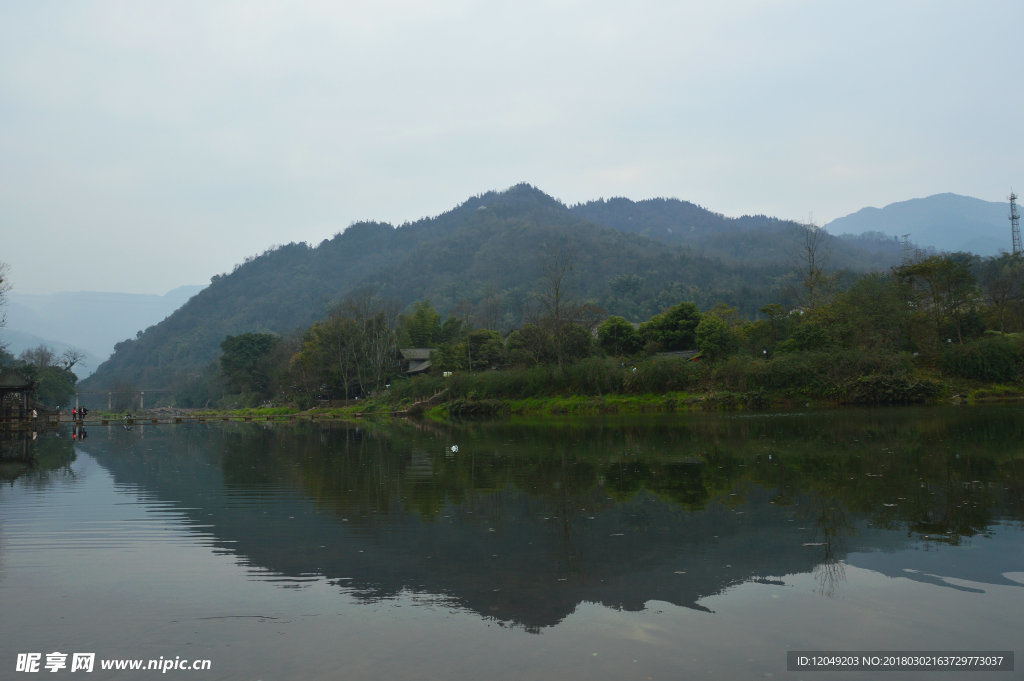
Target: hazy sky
{"type": "Point", "coordinates": [144, 145]}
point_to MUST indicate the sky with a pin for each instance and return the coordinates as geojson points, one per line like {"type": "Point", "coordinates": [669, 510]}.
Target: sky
{"type": "Point", "coordinates": [150, 144]}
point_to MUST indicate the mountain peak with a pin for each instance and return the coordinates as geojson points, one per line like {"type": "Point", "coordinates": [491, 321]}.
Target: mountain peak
{"type": "Point", "coordinates": [947, 221]}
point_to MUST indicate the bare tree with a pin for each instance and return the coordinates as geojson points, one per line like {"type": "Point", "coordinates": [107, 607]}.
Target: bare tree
{"type": "Point", "coordinates": [5, 286]}
{"type": "Point", "coordinates": [816, 286]}
{"type": "Point", "coordinates": [39, 356]}
{"type": "Point", "coordinates": [70, 358]}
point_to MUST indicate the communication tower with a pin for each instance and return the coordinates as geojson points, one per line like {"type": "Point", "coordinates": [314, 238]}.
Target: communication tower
{"type": "Point", "coordinates": [1015, 223]}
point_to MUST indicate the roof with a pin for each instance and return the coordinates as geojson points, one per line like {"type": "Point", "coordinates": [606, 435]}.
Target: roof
{"type": "Point", "coordinates": [12, 379]}
{"type": "Point", "coordinates": [417, 359]}
{"type": "Point", "coordinates": [419, 354]}
{"type": "Point", "coordinates": [680, 354]}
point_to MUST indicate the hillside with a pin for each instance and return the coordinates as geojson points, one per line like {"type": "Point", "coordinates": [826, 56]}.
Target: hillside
{"type": "Point", "coordinates": [486, 257]}
{"type": "Point", "coordinates": [947, 222]}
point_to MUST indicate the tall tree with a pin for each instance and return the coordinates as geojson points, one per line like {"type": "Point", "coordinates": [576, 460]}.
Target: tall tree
{"type": "Point", "coordinates": [816, 285]}
{"type": "Point", "coordinates": [5, 286]}
{"type": "Point", "coordinates": [421, 328]}
{"type": "Point", "coordinates": [945, 285]}
{"type": "Point", "coordinates": [1002, 280]}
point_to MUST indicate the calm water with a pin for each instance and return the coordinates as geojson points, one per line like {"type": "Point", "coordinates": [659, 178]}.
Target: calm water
{"type": "Point", "coordinates": [676, 547]}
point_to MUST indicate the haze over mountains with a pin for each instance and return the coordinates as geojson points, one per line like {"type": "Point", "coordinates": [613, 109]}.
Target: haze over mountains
{"type": "Point", "coordinates": [946, 222]}
{"type": "Point", "coordinates": [485, 258]}
{"type": "Point", "coordinates": [88, 321]}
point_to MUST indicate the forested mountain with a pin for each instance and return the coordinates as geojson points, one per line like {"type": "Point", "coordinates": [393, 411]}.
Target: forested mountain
{"type": "Point", "coordinates": [485, 260]}
{"type": "Point", "coordinates": [751, 239]}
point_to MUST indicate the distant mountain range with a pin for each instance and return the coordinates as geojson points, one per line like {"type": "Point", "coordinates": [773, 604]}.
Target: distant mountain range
{"type": "Point", "coordinates": [88, 321]}
{"type": "Point", "coordinates": [946, 222]}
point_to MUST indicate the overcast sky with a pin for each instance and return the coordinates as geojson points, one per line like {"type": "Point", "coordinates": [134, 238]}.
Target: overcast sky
{"type": "Point", "coordinates": [145, 145]}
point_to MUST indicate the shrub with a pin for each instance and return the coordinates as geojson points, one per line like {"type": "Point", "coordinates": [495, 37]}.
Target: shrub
{"type": "Point", "coordinates": [987, 359]}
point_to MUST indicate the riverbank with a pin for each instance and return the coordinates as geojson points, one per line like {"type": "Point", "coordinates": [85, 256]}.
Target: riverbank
{"type": "Point", "coordinates": [443, 407]}
{"type": "Point", "coordinates": [468, 396]}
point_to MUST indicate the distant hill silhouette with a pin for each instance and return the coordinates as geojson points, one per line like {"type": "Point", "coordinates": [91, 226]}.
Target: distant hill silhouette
{"type": "Point", "coordinates": [88, 321]}
{"type": "Point", "coordinates": [947, 222]}
{"type": "Point", "coordinates": [490, 252]}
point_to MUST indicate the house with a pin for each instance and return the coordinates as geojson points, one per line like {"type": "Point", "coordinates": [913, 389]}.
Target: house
{"type": "Point", "coordinates": [415, 360]}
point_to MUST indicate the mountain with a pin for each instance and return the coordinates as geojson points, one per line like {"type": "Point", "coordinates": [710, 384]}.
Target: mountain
{"type": "Point", "coordinates": [750, 239]}
{"type": "Point", "coordinates": [948, 222]}
{"type": "Point", "coordinates": [17, 342]}
{"type": "Point", "coordinates": [486, 256]}
{"type": "Point", "coordinates": [88, 321]}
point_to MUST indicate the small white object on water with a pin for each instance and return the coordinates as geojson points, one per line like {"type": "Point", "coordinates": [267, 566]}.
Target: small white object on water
{"type": "Point", "coordinates": [455, 448]}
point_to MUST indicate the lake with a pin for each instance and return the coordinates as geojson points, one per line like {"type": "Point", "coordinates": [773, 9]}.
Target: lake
{"type": "Point", "coordinates": [678, 546]}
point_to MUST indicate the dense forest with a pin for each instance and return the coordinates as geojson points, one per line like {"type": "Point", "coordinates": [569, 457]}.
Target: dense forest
{"type": "Point", "coordinates": [485, 263]}
{"type": "Point", "coordinates": [886, 338]}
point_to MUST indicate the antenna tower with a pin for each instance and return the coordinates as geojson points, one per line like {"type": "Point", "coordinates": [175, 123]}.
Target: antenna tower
{"type": "Point", "coordinates": [1015, 223]}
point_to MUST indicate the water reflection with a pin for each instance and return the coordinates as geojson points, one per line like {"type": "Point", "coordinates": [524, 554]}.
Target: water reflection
{"type": "Point", "coordinates": [525, 522]}
{"type": "Point", "coordinates": [34, 458]}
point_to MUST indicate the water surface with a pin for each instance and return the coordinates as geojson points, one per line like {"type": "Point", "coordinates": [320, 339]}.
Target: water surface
{"type": "Point", "coordinates": [679, 546]}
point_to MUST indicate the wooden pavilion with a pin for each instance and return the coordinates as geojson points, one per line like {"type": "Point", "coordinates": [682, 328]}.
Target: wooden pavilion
{"type": "Point", "coordinates": [15, 396]}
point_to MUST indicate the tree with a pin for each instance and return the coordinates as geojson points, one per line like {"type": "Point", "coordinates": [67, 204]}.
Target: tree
{"type": "Point", "coordinates": [873, 315]}
{"type": "Point", "coordinates": [714, 338]}
{"type": "Point", "coordinates": [673, 329]}
{"type": "Point", "coordinates": [1002, 280]}
{"type": "Point", "coordinates": [244, 362]}
{"type": "Point", "coordinates": [530, 346]}
{"type": "Point", "coordinates": [486, 349]}
{"type": "Point", "coordinates": [945, 287]}
{"type": "Point", "coordinates": [55, 382]}
{"type": "Point", "coordinates": [39, 356]}
{"type": "Point", "coordinates": [352, 352]}
{"type": "Point", "coordinates": [421, 328]}
{"type": "Point", "coordinates": [70, 358]}
{"type": "Point", "coordinates": [554, 299]}
{"type": "Point", "coordinates": [816, 286]}
{"type": "Point", "coordinates": [617, 337]}
{"type": "Point", "coordinates": [5, 286]}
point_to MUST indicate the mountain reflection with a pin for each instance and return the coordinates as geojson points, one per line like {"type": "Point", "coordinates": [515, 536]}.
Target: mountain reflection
{"type": "Point", "coordinates": [525, 521]}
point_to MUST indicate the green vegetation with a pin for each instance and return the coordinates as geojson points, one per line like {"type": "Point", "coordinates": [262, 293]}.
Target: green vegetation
{"type": "Point", "coordinates": [917, 335]}
{"type": "Point", "coordinates": [522, 298]}
{"type": "Point", "coordinates": [55, 381]}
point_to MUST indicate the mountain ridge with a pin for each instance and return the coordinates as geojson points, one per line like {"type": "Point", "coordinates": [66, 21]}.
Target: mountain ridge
{"type": "Point", "coordinates": [946, 221]}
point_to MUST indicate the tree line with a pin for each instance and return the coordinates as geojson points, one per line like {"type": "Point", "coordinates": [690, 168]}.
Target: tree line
{"type": "Point", "coordinates": [950, 314]}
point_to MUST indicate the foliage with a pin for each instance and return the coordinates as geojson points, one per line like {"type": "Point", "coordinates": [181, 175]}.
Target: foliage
{"type": "Point", "coordinates": [55, 382]}
{"type": "Point", "coordinates": [421, 328]}
{"type": "Point", "coordinates": [530, 346]}
{"type": "Point", "coordinates": [243, 362]}
{"type": "Point", "coordinates": [943, 286]}
{"type": "Point", "coordinates": [347, 355]}
{"type": "Point", "coordinates": [617, 337]}
{"type": "Point", "coordinates": [714, 338]}
{"type": "Point", "coordinates": [995, 358]}
{"type": "Point", "coordinates": [674, 329]}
